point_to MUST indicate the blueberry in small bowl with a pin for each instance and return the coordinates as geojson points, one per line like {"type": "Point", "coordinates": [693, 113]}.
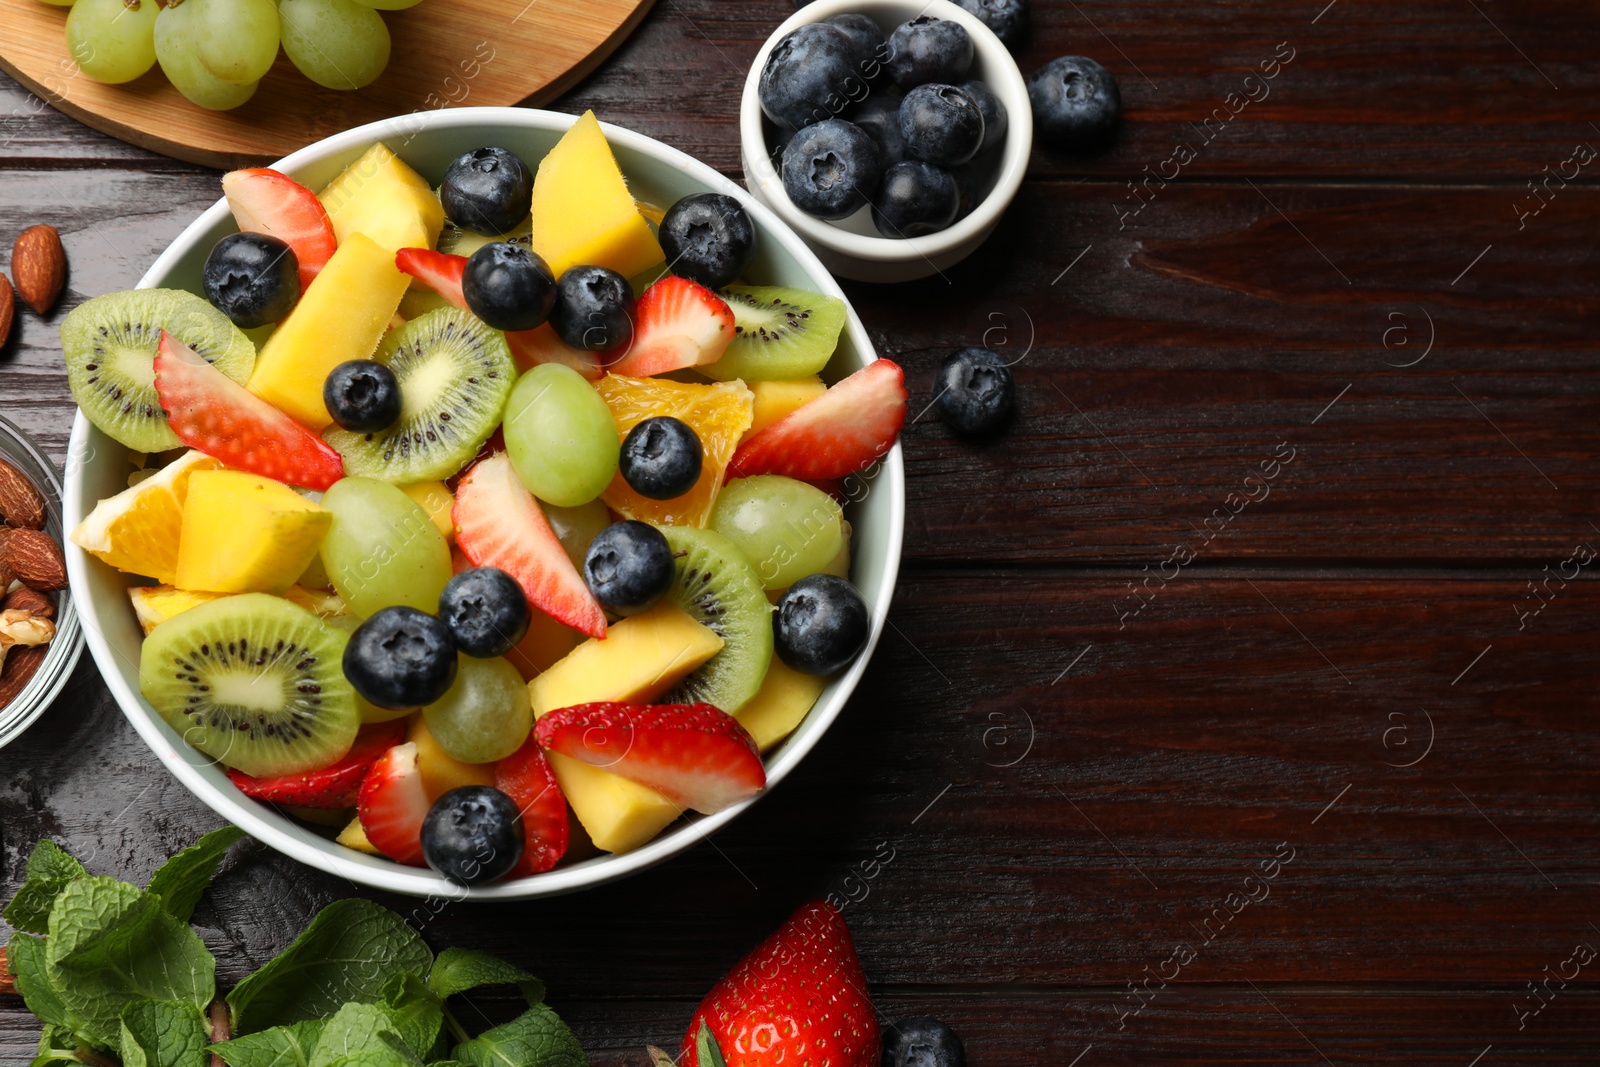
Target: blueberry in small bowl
{"type": "Point", "coordinates": [830, 169]}
{"type": "Point", "coordinates": [915, 198]}
{"type": "Point", "coordinates": [941, 124]}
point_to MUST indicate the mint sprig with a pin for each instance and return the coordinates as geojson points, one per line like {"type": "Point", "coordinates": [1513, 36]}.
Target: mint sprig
{"type": "Point", "coordinates": [118, 978]}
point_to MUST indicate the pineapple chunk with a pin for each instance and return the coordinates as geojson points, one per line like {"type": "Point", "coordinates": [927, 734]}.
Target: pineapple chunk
{"type": "Point", "coordinates": [155, 604]}
{"type": "Point", "coordinates": [378, 195]}
{"type": "Point", "coordinates": [639, 659]}
{"type": "Point", "coordinates": [582, 210]}
{"type": "Point", "coordinates": [243, 533]}
{"type": "Point", "coordinates": [341, 316]}
{"type": "Point", "coordinates": [774, 400]}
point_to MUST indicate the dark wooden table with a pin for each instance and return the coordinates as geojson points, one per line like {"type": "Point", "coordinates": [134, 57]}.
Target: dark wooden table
{"type": "Point", "coordinates": [1273, 565]}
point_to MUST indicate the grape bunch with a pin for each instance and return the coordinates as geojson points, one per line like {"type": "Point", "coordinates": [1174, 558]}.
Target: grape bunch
{"type": "Point", "coordinates": [215, 52]}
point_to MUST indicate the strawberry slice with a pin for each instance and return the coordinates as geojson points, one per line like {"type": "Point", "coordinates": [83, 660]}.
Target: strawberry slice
{"type": "Point", "coordinates": [499, 524]}
{"type": "Point", "coordinates": [392, 805]}
{"type": "Point", "coordinates": [270, 202]}
{"type": "Point", "coordinates": [677, 324]}
{"type": "Point", "coordinates": [212, 412]}
{"type": "Point", "coordinates": [845, 429]}
{"type": "Point", "coordinates": [441, 272]}
{"type": "Point", "coordinates": [525, 776]}
{"type": "Point", "coordinates": [693, 754]}
{"type": "Point", "coordinates": [334, 786]}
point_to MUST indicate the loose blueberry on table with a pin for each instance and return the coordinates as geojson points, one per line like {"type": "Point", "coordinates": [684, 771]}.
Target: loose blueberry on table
{"type": "Point", "coordinates": [397, 550]}
{"type": "Point", "coordinates": [973, 392]}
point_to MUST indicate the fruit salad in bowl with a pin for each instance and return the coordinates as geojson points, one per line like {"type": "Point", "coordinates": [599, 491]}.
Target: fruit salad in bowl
{"type": "Point", "coordinates": [482, 503]}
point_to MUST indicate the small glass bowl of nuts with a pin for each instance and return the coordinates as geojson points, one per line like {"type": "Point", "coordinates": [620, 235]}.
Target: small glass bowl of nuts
{"type": "Point", "coordinates": [40, 639]}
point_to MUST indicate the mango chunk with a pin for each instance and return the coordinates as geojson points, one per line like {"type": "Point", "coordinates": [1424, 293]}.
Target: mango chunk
{"type": "Point", "coordinates": [774, 400]}
{"type": "Point", "coordinates": [342, 316]}
{"type": "Point", "coordinates": [378, 195]}
{"type": "Point", "coordinates": [780, 704]}
{"type": "Point", "coordinates": [436, 499]}
{"type": "Point", "coordinates": [639, 659]}
{"type": "Point", "coordinates": [243, 533]}
{"type": "Point", "coordinates": [618, 815]}
{"type": "Point", "coordinates": [442, 772]}
{"type": "Point", "coordinates": [353, 836]}
{"type": "Point", "coordinates": [137, 530]}
{"type": "Point", "coordinates": [582, 210]}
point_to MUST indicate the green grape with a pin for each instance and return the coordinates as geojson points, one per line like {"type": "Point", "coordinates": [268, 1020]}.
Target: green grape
{"type": "Point", "coordinates": [560, 436]}
{"type": "Point", "coordinates": [389, 5]}
{"type": "Point", "coordinates": [787, 529]}
{"type": "Point", "coordinates": [382, 548]}
{"type": "Point", "coordinates": [576, 527]}
{"type": "Point", "coordinates": [486, 715]}
{"type": "Point", "coordinates": [113, 40]}
{"type": "Point", "coordinates": [175, 51]}
{"type": "Point", "coordinates": [336, 43]}
{"type": "Point", "coordinates": [236, 40]}
{"type": "Point", "coordinates": [57, 3]}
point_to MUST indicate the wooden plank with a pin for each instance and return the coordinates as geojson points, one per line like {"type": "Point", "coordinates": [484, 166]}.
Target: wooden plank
{"type": "Point", "coordinates": [491, 52]}
{"type": "Point", "coordinates": [1021, 792]}
{"type": "Point", "coordinates": [1168, 365]}
{"type": "Point", "coordinates": [1371, 91]}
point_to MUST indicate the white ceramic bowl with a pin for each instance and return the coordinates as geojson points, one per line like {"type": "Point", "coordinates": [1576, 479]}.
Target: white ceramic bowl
{"type": "Point", "coordinates": [853, 247]}
{"type": "Point", "coordinates": [429, 141]}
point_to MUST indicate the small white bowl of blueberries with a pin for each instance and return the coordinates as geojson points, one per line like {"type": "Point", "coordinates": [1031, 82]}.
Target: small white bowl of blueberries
{"type": "Point", "coordinates": [892, 135]}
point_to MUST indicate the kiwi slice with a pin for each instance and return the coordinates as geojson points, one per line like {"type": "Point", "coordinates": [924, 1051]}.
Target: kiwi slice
{"type": "Point", "coordinates": [110, 347]}
{"type": "Point", "coordinates": [459, 242]}
{"type": "Point", "coordinates": [718, 588]}
{"type": "Point", "coordinates": [778, 333]}
{"type": "Point", "coordinates": [455, 375]}
{"type": "Point", "coordinates": [254, 682]}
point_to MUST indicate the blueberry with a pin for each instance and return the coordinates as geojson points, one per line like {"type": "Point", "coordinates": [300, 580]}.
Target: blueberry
{"type": "Point", "coordinates": [942, 125]}
{"type": "Point", "coordinates": [708, 238]}
{"type": "Point", "coordinates": [661, 458]}
{"type": "Point", "coordinates": [487, 190]}
{"type": "Point", "coordinates": [995, 121]}
{"type": "Point", "coordinates": [820, 625]}
{"type": "Point", "coordinates": [915, 198]}
{"type": "Point", "coordinates": [401, 658]}
{"type": "Point", "coordinates": [879, 116]}
{"type": "Point", "coordinates": [362, 395]}
{"type": "Point", "coordinates": [929, 49]}
{"type": "Point", "coordinates": [831, 169]}
{"type": "Point", "coordinates": [485, 610]}
{"type": "Point", "coordinates": [810, 76]}
{"type": "Point", "coordinates": [508, 287]}
{"type": "Point", "coordinates": [629, 567]}
{"type": "Point", "coordinates": [922, 1042]}
{"type": "Point", "coordinates": [252, 278]}
{"type": "Point", "coordinates": [1007, 18]}
{"type": "Point", "coordinates": [593, 309]}
{"type": "Point", "coordinates": [967, 189]}
{"type": "Point", "coordinates": [473, 834]}
{"type": "Point", "coordinates": [1076, 103]}
{"type": "Point", "coordinates": [974, 393]}
{"type": "Point", "coordinates": [871, 48]}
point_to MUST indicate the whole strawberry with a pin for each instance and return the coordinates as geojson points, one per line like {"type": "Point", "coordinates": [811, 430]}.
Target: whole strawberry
{"type": "Point", "coordinates": [799, 998]}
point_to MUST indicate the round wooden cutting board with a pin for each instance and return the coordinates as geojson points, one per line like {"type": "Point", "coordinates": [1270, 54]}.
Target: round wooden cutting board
{"type": "Point", "coordinates": [446, 53]}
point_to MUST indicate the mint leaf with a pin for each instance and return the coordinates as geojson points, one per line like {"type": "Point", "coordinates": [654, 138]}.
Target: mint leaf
{"type": "Point", "coordinates": [536, 1038]}
{"type": "Point", "coordinates": [353, 1031]}
{"type": "Point", "coordinates": [56, 1045]}
{"type": "Point", "coordinates": [112, 944]}
{"type": "Point", "coordinates": [280, 1046]}
{"type": "Point", "coordinates": [26, 955]}
{"type": "Point", "coordinates": [348, 952]}
{"type": "Point", "coordinates": [180, 881]}
{"type": "Point", "coordinates": [416, 1013]}
{"type": "Point", "coordinates": [49, 871]}
{"type": "Point", "coordinates": [460, 969]}
{"type": "Point", "coordinates": [163, 1033]}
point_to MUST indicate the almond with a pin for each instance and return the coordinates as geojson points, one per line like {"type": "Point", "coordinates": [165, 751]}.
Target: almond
{"type": "Point", "coordinates": [36, 559]}
{"type": "Point", "coordinates": [21, 503]}
{"type": "Point", "coordinates": [21, 663]}
{"type": "Point", "coordinates": [30, 600]}
{"type": "Point", "coordinates": [39, 267]}
{"type": "Point", "coordinates": [8, 309]}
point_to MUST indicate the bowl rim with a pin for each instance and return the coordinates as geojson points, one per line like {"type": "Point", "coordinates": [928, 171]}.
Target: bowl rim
{"type": "Point", "coordinates": [282, 833]}
{"type": "Point", "coordinates": [66, 646]}
{"type": "Point", "coordinates": [1005, 80]}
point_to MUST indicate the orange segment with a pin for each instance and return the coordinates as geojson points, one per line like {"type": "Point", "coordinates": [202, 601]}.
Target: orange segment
{"type": "Point", "coordinates": [137, 530]}
{"type": "Point", "coordinates": [719, 413]}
